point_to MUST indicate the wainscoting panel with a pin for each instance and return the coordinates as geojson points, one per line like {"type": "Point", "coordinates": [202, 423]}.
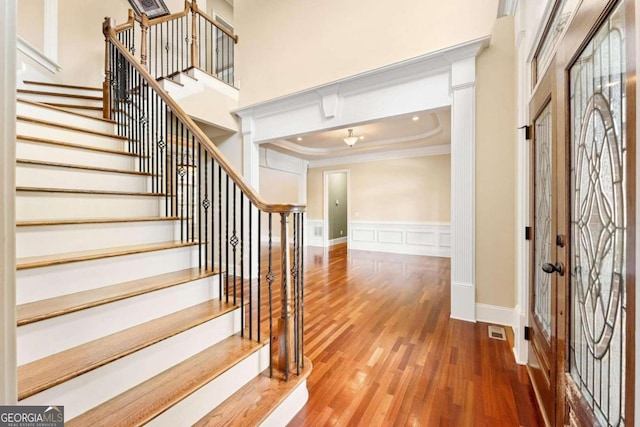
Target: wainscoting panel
{"type": "Point", "coordinates": [314, 232]}
{"type": "Point", "coordinates": [401, 238]}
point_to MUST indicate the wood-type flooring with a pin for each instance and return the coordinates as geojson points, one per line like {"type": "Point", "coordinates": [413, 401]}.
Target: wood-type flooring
{"type": "Point", "coordinates": [386, 353]}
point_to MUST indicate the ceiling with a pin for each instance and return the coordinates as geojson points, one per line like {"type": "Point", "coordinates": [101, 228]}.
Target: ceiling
{"type": "Point", "coordinates": [432, 128]}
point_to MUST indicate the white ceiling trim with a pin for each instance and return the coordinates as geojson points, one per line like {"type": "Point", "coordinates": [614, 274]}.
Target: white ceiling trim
{"type": "Point", "coordinates": [312, 151]}
{"type": "Point", "coordinates": [435, 150]}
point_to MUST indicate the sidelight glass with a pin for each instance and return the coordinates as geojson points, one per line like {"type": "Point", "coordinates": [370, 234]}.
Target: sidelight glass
{"type": "Point", "coordinates": [598, 221]}
{"type": "Point", "coordinates": [542, 220]}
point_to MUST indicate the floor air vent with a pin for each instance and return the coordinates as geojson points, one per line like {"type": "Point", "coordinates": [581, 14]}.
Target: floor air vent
{"type": "Point", "coordinates": [497, 333]}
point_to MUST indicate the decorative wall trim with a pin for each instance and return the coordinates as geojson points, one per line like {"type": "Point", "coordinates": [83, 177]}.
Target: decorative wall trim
{"type": "Point", "coordinates": [436, 150]}
{"type": "Point", "coordinates": [463, 297]}
{"type": "Point", "coordinates": [314, 232]}
{"type": "Point", "coordinates": [520, 348]}
{"type": "Point", "coordinates": [431, 239]}
{"type": "Point", "coordinates": [495, 314]}
{"type": "Point", "coordinates": [39, 57]}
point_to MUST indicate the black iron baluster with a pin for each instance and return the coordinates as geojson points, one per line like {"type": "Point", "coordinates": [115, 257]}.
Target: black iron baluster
{"type": "Point", "coordinates": [234, 242]}
{"type": "Point", "coordinates": [213, 222]}
{"type": "Point", "coordinates": [202, 204]}
{"type": "Point", "coordinates": [301, 267]}
{"type": "Point", "coordinates": [242, 262]}
{"type": "Point", "coordinates": [194, 170]}
{"type": "Point", "coordinates": [250, 206]}
{"type": "Point", "coordinates": [182, 172]}
{"type": "Point", "coordinates": [226, 240]}
{"type": "Point", "coordinates": [259, 319]}
{"type": "Point", "coordinates": [270, 277]}
{"type": "Point", "coordinates": [220, 228]}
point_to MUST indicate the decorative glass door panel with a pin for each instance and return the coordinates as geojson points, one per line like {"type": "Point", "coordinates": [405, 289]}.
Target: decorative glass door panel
{"type": "Point", "coordinates": [598, 222]}
{"type": "Point", "coordinates": [542, 220]}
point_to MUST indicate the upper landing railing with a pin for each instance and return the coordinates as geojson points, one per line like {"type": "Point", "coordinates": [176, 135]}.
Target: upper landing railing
{"type": "Point", "coordinates": [177, 42]}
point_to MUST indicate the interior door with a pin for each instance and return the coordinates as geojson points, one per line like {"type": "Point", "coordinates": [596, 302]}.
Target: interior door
{"type": "Point", "coordinates": [599, 220]}
{"type": "Point", "coordinates": [545, 271]}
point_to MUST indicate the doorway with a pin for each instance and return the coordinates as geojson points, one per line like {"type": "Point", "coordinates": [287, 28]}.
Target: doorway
{"type": "Point", "coordinates": [581, 314]}
{"type": "Point", "coordinates": [336, 207]}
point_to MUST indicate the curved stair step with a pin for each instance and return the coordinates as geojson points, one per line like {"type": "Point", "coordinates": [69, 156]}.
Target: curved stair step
{"type": "Point", "coordinates": [255, 401]}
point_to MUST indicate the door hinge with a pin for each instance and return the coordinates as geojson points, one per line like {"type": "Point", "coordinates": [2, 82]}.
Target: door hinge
{"type": "Point", "coordinates": [527, 233]}
{"type": "Point", "coordinates": [527, 132]}
{"type": "Point", "coordinates": [527, 333]}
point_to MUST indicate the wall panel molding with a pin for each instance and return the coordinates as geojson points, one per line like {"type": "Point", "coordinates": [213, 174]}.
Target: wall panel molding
{"type": "Point", "coordinates": [431, 239]}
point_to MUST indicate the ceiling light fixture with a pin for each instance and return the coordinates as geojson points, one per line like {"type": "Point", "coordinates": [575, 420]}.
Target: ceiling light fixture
{"type": "Point", "coordinates": [415, 118]}
{"type": "Point", "coordinates": [350, 140]}
{"type": "Point", "coordinates": [299, 138]}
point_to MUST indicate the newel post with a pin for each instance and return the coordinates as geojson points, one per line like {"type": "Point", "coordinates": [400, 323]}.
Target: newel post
{"type": "Point", "coordinates": [286, 355]}
{"type": "Point", "coordinates": [144, 27]}
{"type": "Point", "coordinates": [195, 60]}
{"type": "Point", "coordinates": [108, 29]}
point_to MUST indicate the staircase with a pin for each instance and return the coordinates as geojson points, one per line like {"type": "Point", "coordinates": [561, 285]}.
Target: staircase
{"type": "Point", "coordinates": [117, 319]}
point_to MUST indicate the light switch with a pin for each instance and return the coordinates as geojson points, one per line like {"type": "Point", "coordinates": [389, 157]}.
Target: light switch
{"type": "Point", "coordinates": [337, 202]}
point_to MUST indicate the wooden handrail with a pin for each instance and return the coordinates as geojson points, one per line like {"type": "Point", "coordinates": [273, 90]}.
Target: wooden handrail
{"type": "Point", "coordinates": [221, 28]}
{"type": "Point", "coordinates": [201, 137]}
{"type": "Point", "coordinates": [127, 25]}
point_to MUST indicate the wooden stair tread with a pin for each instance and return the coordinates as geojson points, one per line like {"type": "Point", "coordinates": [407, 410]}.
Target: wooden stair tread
{"type": "Point", "coordinates": [59, 94]}
{"type": "Point", "coordinates": [75, 113]}
{"type": "Point", "coordinates": [93, 254]}
{"type": "Point", "coordinates": [50, 371]}
{"type": "Point", "coordinates": [78, 221]}
{"type": "Point", "coordinates": [255, 401]}
{"type": "Point", "coordinates": [149, 399]}
{"type": "Point", "coordinates": [72, 145]}
{"type": "Point", "coordinates": [78, 106]}
{"type": "Point", "coordinates": [82, 191]}
{"type": "Point", "coordinates": [69, 127]}
{"type": "Point", "coordinates": [71, 166]}
{"type": "Point", "coordinates": [71, 303]}
{"type": "Point", "coordinates": [32, 82]}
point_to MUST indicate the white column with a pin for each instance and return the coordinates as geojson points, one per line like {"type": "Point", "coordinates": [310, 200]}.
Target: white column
{"type": "Point", "coordinates": [250, 152]}
{"type": "Point", "coordinates": [463, 142]}
{"type": "Point", "coordinates": [8, 377]}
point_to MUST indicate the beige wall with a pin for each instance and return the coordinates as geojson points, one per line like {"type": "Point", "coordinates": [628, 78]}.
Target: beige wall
{"type": "Point", "coordinates": [31, 22]}
{"type": "Point", "coordinates": [495, 169]}
{"type": "Point", "coordinates": [277, 186]}
{"type": "Point", "coordinates": [80, 39]}
{"type": "Point", "coordinates": [413, 190]}
{"type": "Point", "coordinates": [289, 45]}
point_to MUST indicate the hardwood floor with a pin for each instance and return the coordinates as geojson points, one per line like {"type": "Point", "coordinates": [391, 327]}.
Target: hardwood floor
{"type": "Point", "coordinates": [385, 351]}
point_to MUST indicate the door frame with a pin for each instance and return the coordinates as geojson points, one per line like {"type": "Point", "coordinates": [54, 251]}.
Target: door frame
{"type": "Point", "coordinates": [325, 205]}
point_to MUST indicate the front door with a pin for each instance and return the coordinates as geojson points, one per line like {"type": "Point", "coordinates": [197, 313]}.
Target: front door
{"type": "Point", "coordinates": [582, 282]}
{"type": "Point", "coordinates": [545, 273]}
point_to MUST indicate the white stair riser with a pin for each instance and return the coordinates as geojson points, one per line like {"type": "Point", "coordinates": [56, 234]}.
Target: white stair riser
{"type": "Point", "coordinates": [190, 410]}
{"type": "Point", "coordinates": [42, 176]}
{"type": "Point", "coordinates": [86, 391]}
{"type": "Point", "coordinates": [58, 89]}
{"type": "Point", "coordinates": [54, 133]}
{"type": "Point", "coordinates": [36, 205]}
{"type": "Point", "coordinates": [61, 117]}
{"type": "Point", "coordinates": [85, 111]}
{"type": "Point", "coordinates": [44, 338]}
{"type": "Point", "coordinates": [52, 239]}
{"type": "Point", "coordinates": [75, 156]}
{"type": "Point", "coordinates": [47, 282]}
{"type": "Point", "coordinates": [60, 99]}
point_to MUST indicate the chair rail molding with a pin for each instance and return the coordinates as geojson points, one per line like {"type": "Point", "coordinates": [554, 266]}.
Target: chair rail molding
{"type": "Point", "coordinates": [438, 79]}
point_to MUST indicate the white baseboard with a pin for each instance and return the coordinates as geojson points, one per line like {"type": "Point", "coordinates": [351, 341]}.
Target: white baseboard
{"type": "Point", "coordinates": [463, 298]}
{"type": "Point", "coordinates": [431, 239]}
{"type": "Point", "coordinates": [494, 314]}
{"type": "Point", "coordinates": [337, 241]}
{"type": "Point", "coordinates": [521, 346]}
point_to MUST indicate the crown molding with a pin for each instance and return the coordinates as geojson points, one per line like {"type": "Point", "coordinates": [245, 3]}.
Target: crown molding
{"type": "Point", "coordinates": [435, 150]}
